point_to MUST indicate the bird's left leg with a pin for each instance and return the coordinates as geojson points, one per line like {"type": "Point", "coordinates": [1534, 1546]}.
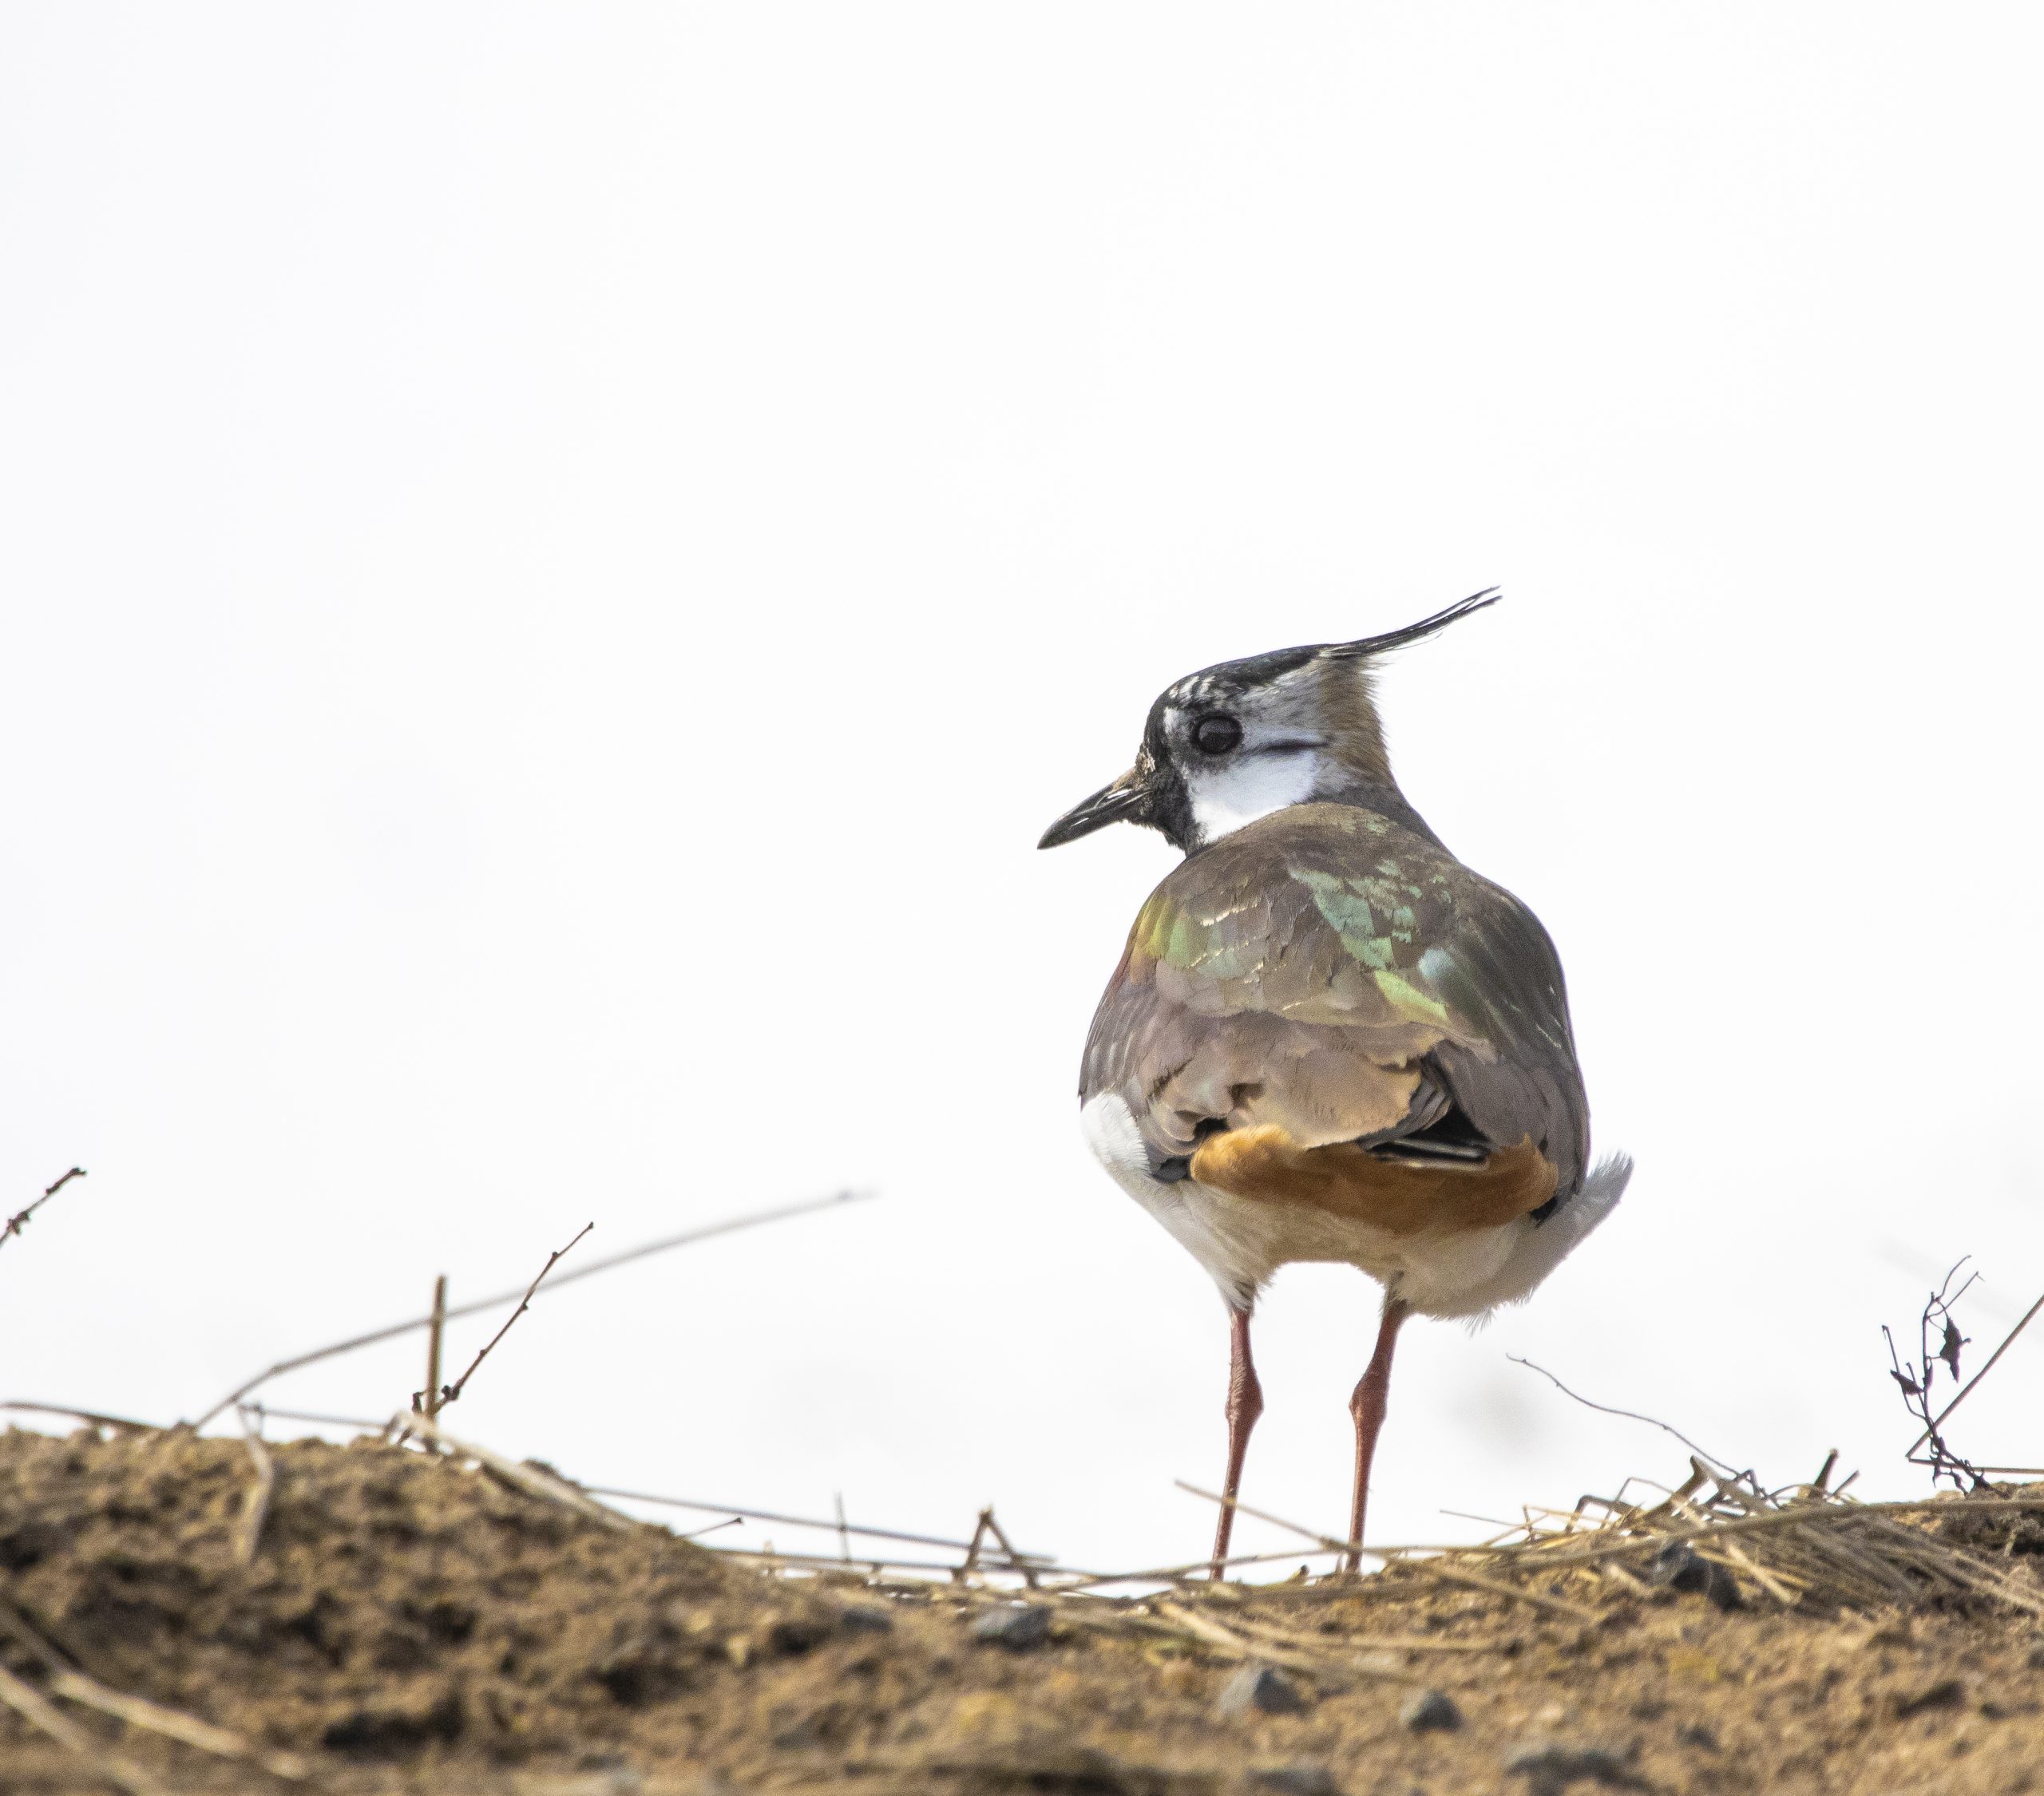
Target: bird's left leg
{"type": "Point", "coordinates": [1245, 1405]}
{"type": "Point", "coordinates": [1367, 1405]}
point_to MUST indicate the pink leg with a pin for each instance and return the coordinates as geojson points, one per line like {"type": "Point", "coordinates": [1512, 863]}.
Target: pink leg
{"type": "Point", "coordinates": [1245, 1405]}
{"type": "Point", "coordinates": [1367, 1407]}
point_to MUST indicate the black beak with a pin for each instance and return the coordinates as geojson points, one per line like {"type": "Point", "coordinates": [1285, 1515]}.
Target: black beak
{"type": "Point", "coordinates": [1126, 799]}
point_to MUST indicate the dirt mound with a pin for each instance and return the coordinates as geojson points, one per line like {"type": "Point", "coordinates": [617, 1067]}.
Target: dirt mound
{"type": "Point", "coordinates": [404, 1621]}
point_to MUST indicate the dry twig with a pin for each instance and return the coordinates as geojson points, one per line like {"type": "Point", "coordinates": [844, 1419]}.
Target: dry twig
{"type": "Point", "coordinates": [1966, 1390]}
{"type": "Point", "coordinates": [450, 1393]}
{"type": "Point", "coordinates": [1916, 1377]}
{"type": "Point", "coordinates": [985, 1526]}
{"type": "Point", "coordinates": [16, 1223]}
{"type": "Point", "coordinates": [731, 1226]}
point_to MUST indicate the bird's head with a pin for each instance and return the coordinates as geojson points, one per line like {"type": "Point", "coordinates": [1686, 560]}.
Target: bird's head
{"type": "Point", "coordinates": [1235, 742]}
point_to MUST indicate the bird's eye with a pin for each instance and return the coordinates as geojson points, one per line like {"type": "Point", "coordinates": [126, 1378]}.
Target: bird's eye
{"type": "Point", "coordinates": [1216, 735]}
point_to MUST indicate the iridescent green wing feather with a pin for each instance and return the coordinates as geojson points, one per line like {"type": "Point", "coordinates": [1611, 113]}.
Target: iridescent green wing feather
{"type": "Point", "coordinates": [1329, 968]}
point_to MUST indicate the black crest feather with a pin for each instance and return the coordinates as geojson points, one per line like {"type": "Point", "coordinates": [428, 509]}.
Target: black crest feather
{"type": "Point", "coordinates": [1367, 645]}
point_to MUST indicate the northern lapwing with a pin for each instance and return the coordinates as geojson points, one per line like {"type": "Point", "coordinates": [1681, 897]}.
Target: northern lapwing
{"type": "Point", "coordinates": [1328, 1039]}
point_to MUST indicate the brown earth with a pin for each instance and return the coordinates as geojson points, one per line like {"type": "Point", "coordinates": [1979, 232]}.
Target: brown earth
{"type": "Point", "coordinates": [408, 1623]}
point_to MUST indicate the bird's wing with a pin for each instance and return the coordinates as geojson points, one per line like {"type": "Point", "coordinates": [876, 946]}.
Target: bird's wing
{"type": "Point", "coordinates": [1329, 972]}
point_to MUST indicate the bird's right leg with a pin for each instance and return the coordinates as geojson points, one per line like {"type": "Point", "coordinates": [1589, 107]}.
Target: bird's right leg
{"type": "Point", "coordinates": [1245, 1405]}
{"type": "Point", "coordinates": [1367, 1406]}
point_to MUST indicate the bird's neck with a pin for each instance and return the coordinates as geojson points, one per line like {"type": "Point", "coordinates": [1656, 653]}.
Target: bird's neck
{"type": "Point", "coordinates": [1220, 804]}
{"type": "Point", "coordinates": [1379, 794]}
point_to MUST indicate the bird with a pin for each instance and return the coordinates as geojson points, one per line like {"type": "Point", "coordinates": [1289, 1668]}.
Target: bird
{"type": "Point", "coordinates": [1326, 1039]}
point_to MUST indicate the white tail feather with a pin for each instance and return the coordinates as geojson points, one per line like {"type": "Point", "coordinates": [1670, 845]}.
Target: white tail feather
{"type": "Point", "coordinates": [1544, 1246]}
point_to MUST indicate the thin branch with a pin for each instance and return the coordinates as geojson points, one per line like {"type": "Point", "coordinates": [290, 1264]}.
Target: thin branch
{"type": "Point", "coordinates": [1915, 1378]}
{"type": "Point", "coordinates": [450, 1392]}
{"type": "Point", "coordinates": [369, 1424]}
{"type": "Point", "coordinates": [1966, 1390]}
{"type": "Point", "coordinates": [1723, 1466]}
{"type": "Point", "coordinates": [1043, 1561]}
{"type": "Point", "coordinates": [731, 1226]}
{"type": "Point", "coordinates": [91, 1416]}
{"type": "Point", "coordinates": [19, 1220]}
{"type": "Point", "coordinates": [830, 1561]}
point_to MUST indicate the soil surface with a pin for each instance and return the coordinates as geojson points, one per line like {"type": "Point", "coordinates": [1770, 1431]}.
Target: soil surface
{"type": "Point", "coordinates": [407, 1622]}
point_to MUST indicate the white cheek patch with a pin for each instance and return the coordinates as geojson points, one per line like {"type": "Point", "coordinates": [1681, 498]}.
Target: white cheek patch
{"type": "Point", "coordinates": [1249, 787]}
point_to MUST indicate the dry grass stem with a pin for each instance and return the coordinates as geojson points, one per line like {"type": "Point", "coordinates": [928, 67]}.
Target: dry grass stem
{"type": "Point", "coordinates": [1015, 1558]}
{"type": "Point", "coordinates": [973, 1548]}
{"type": "Point", "coordinates": [1769, 1521]}
{"type": "Point", "coordinates": [545, 1486]}
{"type": "Point", "coordinates": [43, 1715]}
{"type": "Point", "coordinates": [1042, 1561]}
{"type": "Point", "coordinates": [1206, 1629]}
{"type": "Point", "coordinates": [67, 1681]}
{"type": "Point", "coordinates": [368, 1424]}
{"type": "Point", "coordinates": [429, 1398]}
{"type": "Point", "coordinates": [138, 1711]}
{"type": "Point", "coordinates": [1431, 1566]}
{"type": "Point", "coordinates": [256, 1502]}
{"type": "Point", "coordinates": [119, 1423]}
{"type": "Point", "coordinates": [1723, 1466]}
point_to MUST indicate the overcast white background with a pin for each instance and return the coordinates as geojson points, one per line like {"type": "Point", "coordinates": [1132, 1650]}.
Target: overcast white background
{"type": "Point", "coordinates": [557, 560]}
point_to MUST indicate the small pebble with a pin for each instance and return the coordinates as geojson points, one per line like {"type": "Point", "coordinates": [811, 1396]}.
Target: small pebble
{"type": "Point", "coordinates": [1551, 1769]}
{"type": "Point", "coordinates": [863, 1619]}
{"type": "Point", "coordinates": [2035, 1661]}
{"type": "Point", "coordinates": [1947, 1693]}
{"type": "Point", "coordinates": [791, 1636]}
{"type": "Point", "coordinates": [1677, 1568]}
{"type": "Point", "coordinates": [1431, 1711]}
{"type": "Point", "coordinates": [1019, 1627]}
{"type": "Point", "coordinates": [1699, 1737]}
{"type": "Point", "coordinates": [1296, 1780]}
{"type": "Point", "coordinates": [802, 1735]}
{"type": "Point", "coordinates": [1259, 1686]}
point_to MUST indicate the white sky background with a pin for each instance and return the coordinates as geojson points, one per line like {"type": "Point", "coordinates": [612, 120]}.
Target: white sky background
{"type": "Point", "coordinates": [557, 560]}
